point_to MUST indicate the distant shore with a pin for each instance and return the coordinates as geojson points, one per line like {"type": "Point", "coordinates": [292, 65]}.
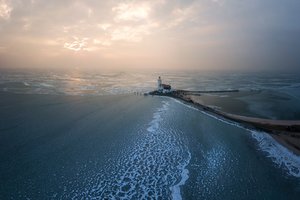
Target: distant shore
{"type": "Point", "coordinates": [286, 132]}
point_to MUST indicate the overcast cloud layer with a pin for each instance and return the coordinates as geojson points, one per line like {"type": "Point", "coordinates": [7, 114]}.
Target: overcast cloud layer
{"type": "Point", "coordinates": [203, 34]}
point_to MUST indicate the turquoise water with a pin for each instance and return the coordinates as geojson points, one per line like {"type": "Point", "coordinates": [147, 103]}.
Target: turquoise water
{"type": "Point", "coordinates": [79, 145]}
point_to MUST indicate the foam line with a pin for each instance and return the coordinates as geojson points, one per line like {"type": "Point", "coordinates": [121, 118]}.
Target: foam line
{"type": "Point", "coordinates": [210, 115]}
{"type": "Point", "coordinates": [154, 167]}
{"type": "Point", "coordinates": [176, 195]}
{"type": "Point", "coordinates": [279, 154]}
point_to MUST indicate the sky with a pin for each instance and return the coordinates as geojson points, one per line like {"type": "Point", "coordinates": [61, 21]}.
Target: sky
{"type": "Point", "coordinates": [155, 34]}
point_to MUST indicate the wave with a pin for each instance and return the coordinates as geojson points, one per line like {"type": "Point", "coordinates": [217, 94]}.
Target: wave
{"type": "Point", "coordinates": [154, 167]}
{"type": "Point", "coordinates": [176, 195]}
{"type": "Point", "coordinates": [26, 84]}
{"type": "Point", "coordinates": [279, 154]}
{"type": "Point", "coordinates": [210, 115]}
{"type": "Point", "coordinates": [154, 125]}
{"type": "Point", "coordinates": [46, 85]}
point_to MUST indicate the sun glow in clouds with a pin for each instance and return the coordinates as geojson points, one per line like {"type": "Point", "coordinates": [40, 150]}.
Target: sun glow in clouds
{"type": "Point", "coordinates": [5, 9]}
{"type": "Point", "coordinates": [168, 34]}
{"type": "Point", "coordinates": [131, 12]}
{"type": "Point", "coordinates": [125, 26]}
{"type": "Point", "coordinates": [77, 44]}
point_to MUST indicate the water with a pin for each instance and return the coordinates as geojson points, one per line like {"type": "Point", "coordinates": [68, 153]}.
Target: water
{"type": "Point", "coordinates": [154, 165]}
{"type": "Point", "coordinates": [89, 136]}
{"type": "Point", "coordinates": [80, 83]}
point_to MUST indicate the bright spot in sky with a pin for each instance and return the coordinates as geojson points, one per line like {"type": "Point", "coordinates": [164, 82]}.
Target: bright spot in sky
{"type": "Point", "coordinates": [5, 10]}
{"type": "Point", "coordinates": [77, 44]}
{"type": "Point", "coordinates": [194, 34]}
{"type": "Point", "coordinates": [131, 12]}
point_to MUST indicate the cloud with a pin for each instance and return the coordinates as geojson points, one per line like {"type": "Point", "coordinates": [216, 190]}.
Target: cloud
{"type": "Point", "coordinates": [219, 2]}
{"type": "Point", "coordinates": [104, 26]}
{"type": "Point", "coordinates": [131, 12]}
{"type": "Point", "coordinates": [77, 44]}
{"type": "Point", "coordinates": [129, 22]}
{"type": "Point", "coordinates": [181, 31]}
{"type": "Point", "coordinates": [127, 33]}
{"type": "Point", "coordinates": [102, 42]}
{"type": "Point", "coordinates": [181, 15]}
{"type": "Point", "coordinates": [90, 12]}
{"type": "Point", "coordinates": [5, 9]}
{"type": "Point", "coordinates": [26, 24]}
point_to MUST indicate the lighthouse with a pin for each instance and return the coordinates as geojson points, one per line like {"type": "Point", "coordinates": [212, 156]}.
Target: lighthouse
{"type": "Point", "coordinates": [164, 88]}
{"type": "Point", "coordinates": [159, 86]}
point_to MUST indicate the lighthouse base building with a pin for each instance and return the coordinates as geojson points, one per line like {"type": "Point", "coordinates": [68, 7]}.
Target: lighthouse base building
{"type": "Point", "coordinates": [164, 88]}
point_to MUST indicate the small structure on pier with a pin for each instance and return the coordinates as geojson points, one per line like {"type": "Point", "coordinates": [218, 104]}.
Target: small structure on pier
{"type": "Point", "coordinates": [164, 88]}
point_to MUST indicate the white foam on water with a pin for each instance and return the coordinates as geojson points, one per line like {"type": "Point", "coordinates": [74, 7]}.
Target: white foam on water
{"type": "Point", "coordinates": [176, 195]}
{"type": "Point", "coordinates": [175, 189]}
{"type": "Point", "coordinates": [210, 115]}
{"type": "Point", "coordinates": [46, 85]}
{"type": "Point", "coordinates": [180, 102]}
{"type": "Point", "coordinates": [223, 120]}
{"type": "Point", "coordinates": [279, 154]}
{"type": "Point", "coordinates": [154, 124]}
{"type": "Point", "coordinates": [154, 167]}
{"type": "Point", "coordinates": [26, 84]}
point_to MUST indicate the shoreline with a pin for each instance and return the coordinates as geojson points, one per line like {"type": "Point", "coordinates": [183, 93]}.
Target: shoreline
{"type": "Point", "coordinates": [285, 132]}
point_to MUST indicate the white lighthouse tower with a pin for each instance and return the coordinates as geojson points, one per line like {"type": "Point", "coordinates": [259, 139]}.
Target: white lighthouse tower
{"type": "Point", "coordinates": [159, 86]}
{"type": "Point", "coordinates": [164, 88]}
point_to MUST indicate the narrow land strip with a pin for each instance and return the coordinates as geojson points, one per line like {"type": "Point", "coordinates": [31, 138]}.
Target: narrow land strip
{"type": "Point", "coordinates": [286, 132]}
